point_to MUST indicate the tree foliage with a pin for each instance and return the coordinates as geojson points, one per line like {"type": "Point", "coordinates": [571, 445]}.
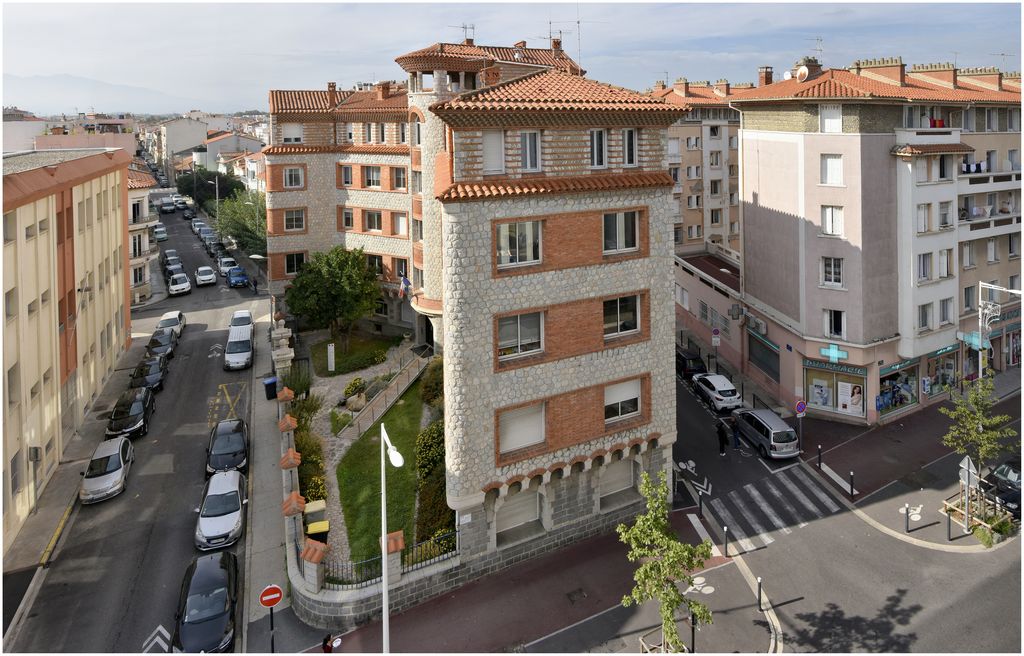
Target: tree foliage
{"type": "Point", "coordinates": [975, 431]}
{"type": "Point", "coordinates": [196, 185]}
{"type": "Point", "coordinates": [665, 562]}
{"type": "Point", "coordinates": [334, 289]}
{"type": "Point", "coordinates": [244, 217]}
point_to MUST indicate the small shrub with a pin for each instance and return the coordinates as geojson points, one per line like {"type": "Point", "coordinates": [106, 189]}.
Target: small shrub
{"type": "Point", "coordinates": [304, 410]}
{"type": "Point", "coordinates": [359, 360]}
{"type": "Point", "coordinates": [984, 536]}
{"type": "Point", "coordinates": [380, 357]}
{"type": "Point", "coordinates": [1003, 527]}
{"type": "Point", "coordinates": [429, 450]}
{"type": "Point", "coordinates": [339, 421]}
{"type": "Point", "coordinates": [355, 387]}
{"type": "Point", "coordinates": [437, 407]}
{"type": "Point", "coordinates": [433, 515]}
{"type": "Point", "coordinates": [297, 380]}
{"type": "Point", "coordinates": [316, 488]}
{"type": "Point", "coordinates": [432, 385]}
{"type": "Point", "coordinates": [308, 445]}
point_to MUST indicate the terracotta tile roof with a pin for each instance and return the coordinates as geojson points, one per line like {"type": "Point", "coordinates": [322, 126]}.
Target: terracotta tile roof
{"type": "Point", "coordinates": [487, 54]}
{"type": "Point", "coordinates": [210, 134]}
{"type": "Point", "coordinates": [553, 90]}
{"type": "Point", "coordinates": [140, 180]}
{"type": "Point", "coordinates": [302, 149]}
{"type": "Point", "coordinates": [462, 191]}
{"type": "Point", "coordinates": [699, 96]}
{"type": "Point", "coordinates": [255, 157]}
{"type": "Point", "coordinates": [840, 83]}
{"type": "Point", "coordinates": [366, 101]}
{"type": "Point", "coordinates": [220, 137]}
{"type": "Point", "coordinates": [302, 101]}
{"type": "Point", "coordinates": [931, 149]}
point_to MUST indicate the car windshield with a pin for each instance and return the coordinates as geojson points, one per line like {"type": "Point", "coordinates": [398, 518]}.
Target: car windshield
{"type": "Point", "coordinates": [239, 346]}
{"type": "Point", "coordinates": [103, 466]}
{"type": "Point", "coordinates": [1009, 473]}
{"type": "Point", "coordinates": [159, 340]}
{"type": "Point", "coordinates": [204, 605]}
{"type": "Point", "coordinates": [205, 271]}
{"type": "Point", "coordinates": [179, 279]}
{"type": "Point", "coordinates": [168, 322]}
{"type": "Point", "coordinates": [145, 369]}
{"type": "Point", "coordinates": [218, 505]}
{"type": "Point", "coordinates": [122, 411]}
{"type": "Point", "coordinates": [786, 437]}
{"type": "Point", "coordinates": [237, 271]}
{"type": "Point", "coordinates": [228, 443]}
{"type": "Point", "coordinates": [727, 392]}
{"type": "Point", "coordinates": [228, 262]}
{"type": "Point", "coordinates": [243, 320]}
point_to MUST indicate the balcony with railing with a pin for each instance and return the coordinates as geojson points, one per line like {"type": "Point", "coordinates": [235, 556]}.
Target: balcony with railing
{"type": "Point", "coordinates": [143, 222]}
{"type": "Point", "coordinates": [138, 256]}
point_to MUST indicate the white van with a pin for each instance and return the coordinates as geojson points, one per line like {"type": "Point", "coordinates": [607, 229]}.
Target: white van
{"type": "Point", "coordinates": [240, 349]}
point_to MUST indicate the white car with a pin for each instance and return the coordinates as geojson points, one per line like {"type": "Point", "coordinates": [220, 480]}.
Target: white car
{"type": "Point", "coordinates": [175, 198]}
{"type": "Point", "coordinates": [221, 519]}
{"type": "Point", "coordinates": [717, 391]}
{"type": "Point", "coordinates": [205, 276]}
{"type": "Point", "coordinates": [174, 321]}
{"type": "Point", "coordinates": [179, 284]}
{"type": "Point", "coordinates": [107, 474]}
{"type": "Point", "coordinates": [241, 318]}
{"type": "Point", "coordinates": [226, 264]}
{"type": "Point", "coordinates": [197, 224]}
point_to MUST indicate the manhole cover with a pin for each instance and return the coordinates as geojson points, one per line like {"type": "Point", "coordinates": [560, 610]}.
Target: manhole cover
{"type": "Point", "coordinates": [576, 595]}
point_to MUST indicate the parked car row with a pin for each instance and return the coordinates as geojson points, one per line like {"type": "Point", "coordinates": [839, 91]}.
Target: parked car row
{"type": "Point", "coordinates": [224, 264]}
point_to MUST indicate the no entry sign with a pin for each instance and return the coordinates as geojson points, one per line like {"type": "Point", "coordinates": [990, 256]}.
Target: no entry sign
{"type": "Point", "coordinates": [271, 596]}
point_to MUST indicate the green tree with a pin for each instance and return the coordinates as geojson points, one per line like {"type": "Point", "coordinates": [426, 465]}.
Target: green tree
{"type": "Point", "coordinates": [244, 217]}
{"type": "Point", "coordinates": [334, 289]}
{"type": "Point", "coordinates": [975, 431]}
{"type": "Point", "coordinates": [203, 185]}
{"type": "Point", "coordinates": [665, 562]}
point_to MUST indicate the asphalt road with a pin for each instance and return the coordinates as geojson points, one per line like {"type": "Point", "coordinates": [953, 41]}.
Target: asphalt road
{"type": "Point", "coordinates": [117, 574]}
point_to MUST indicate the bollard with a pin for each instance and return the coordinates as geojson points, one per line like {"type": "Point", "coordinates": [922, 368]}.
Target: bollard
{"type": "Point", "coordinates": [949, 526]}
{"type": "Point", "coordinates": [819, 456]}
{"type": "Point", "coordinates": [700, 505]}
{"type": "Point", "coordinates": [693, 634]}
{"type": "Point", "coordinates": [852, 496]}
{"type": "Point", "coordinates": [906, 517]}
{"type": "Point", "coordinates": [759, 606]}
{"type": "Point", "coordinates": [725, 529]}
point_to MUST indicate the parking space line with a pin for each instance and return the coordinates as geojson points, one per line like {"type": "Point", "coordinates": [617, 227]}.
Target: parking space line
{"type": "Point", "coordinates": [728, 520]}
{"type": "Point", "coordinates": [768, 510]}
{"type": "Point", "coordinates": [703, 533]}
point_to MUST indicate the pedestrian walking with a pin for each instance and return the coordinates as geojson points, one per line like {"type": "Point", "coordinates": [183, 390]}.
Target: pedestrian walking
{"type": "Point", "coordinates": [326, 644]}
{"type": "Point", "coordinates": [254, 283]}
{"type": "Point", "coordinates": [723, 438]}
{"type": "Point", "coordinates": [735, 433]}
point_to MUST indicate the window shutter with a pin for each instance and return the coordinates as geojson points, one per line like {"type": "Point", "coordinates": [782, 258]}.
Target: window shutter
{"type": "Point", "coordinates": [494, 151]}
{"type": "Point", "coordinates": [831, 118]}
{"type": "Point", "coordinates": [617, 476]}
{"type": "Point", "coordinates": [522, 427]}
{"type": "Point", "coordinates": [622, 392]}
{"type": "Point", "coordinates": [518, 509]}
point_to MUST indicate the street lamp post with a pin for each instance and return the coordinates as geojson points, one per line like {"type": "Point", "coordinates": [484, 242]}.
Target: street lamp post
{"type": "Point", "coordinates": [216, 202]}
{"type": "Point", "coordinates": [396, 461]}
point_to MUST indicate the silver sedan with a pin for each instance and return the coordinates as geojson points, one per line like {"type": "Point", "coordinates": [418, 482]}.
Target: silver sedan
{"type": "Point", "coordinates": [107, 474]}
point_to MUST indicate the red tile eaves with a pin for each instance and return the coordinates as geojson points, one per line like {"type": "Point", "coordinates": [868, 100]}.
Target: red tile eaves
{"type": "Point", "coordinates": [466, 191]}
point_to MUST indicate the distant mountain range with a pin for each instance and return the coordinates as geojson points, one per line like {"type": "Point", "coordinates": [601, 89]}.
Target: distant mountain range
{"type": "Point", "coordinates": [67, 94]}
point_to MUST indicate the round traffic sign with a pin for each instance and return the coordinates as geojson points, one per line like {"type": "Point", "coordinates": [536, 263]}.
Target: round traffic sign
{"type": "Point", "coordinates": [801, 406]}
{"type": "Point", "coordinates": [715, 331]}
{"type": "Point", "coordinates": [271, 596]}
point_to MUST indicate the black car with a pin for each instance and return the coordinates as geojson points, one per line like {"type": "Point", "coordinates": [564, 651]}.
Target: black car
{"type": "Point", "coordinates": [163, 342]}
{"type": "Point", "coordinates": [211, 244]}
{"type": "Point", "coordinates": [229, 447]}
{"type": "Point", "coordinates": [168, 253]}
{"type": "Point", "coordinates": [1006, 476]}
{"type": "Point", "coordinates": [188, 214]}
{"type": "Point", "coordinates": [171, 260]}
{"type": "Point", "coordinates": [131, 413]}
{"type": "Point", "coordinates": [688, 364]}
{"type": "Point", "coordinates": [150, 373]}
{"type": "Point", "coordinates": [205, 619]}
{"type": "Point", "coordinates": [172, 269]}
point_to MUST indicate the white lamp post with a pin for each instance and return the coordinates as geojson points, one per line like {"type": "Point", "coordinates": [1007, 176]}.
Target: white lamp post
{"type": "Point", "coordinates": [216, 202]}
{"type": "Point", "coordinates": [396, 461]}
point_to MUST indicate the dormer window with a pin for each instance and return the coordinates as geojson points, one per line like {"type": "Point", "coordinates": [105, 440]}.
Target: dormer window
{"type": "Point", "coordinates": [291, 133]}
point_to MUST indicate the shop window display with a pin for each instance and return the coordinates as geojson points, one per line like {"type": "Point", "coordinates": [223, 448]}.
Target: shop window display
{"type": "Point", "coordinates": [898, 390]}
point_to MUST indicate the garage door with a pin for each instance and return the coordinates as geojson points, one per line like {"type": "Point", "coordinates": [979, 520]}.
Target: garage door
{"type": "Point", "coordinates": [617, 476]}
{"type": "Point", "coordinates": [518, 509]}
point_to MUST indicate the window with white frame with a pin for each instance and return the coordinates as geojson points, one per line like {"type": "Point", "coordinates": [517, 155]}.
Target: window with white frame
{"type": "Point", "coordinates": [403, 133]}
{"type": "Point", "coordinates": [945, 214]}
{"type": "Point", "coordinates": [375, 263]}
{"type": "Point", "coordinates": [970, 297]}
{"type": "Point", "coordinates": [945, 263]}
{"type": "Point", "coordinates": [832, 271]}
{"type": "Point", "coordinates": [1014, 244]}
{"type": "Point", "coordinates": [967, 254]}
{"type": "Point", "coordinates": [630, 148]}
{"type": "Point", "coordinates": [831, 118]}
{"type": "Point", "coordinates": [990, 294]}
{"type": "Point", "coordinates": [520, 428]}
{"type": "Point", "coordinates": [346, 175]}
{"type": "Point", "coordinates": [924, 267]}
{"type": "Point", "coordinates": [693, 143]}
{"type": "Point", "coordinates": [401, 223]}
{"type": "Point", "coordinates": [529, 150]}
{"type": "Point", "coordinates": [693, 202]}
{"type": "Point", "coordinates": [598, 149]}
{"type": "Point", "coordinates": [991, 250]}
{"type": "Point", "coordinates": [292, 178]}
{"type": "Point", "coordinates": [372, 220]}
{"type": "Point", "coordinates": [518, 243]}
{"type": "Point", "coordinates": [673, 148]}
{"type": "Point", "coordinates": [922, 169]}
{"type": "Point", "coordinates": [1014, 282]}
{"type": "Point", "coordinates": [417, 278]}
{"type": "Point", "coordinates": [417, 182]}
{"type": "Point", "coordinates": [683, 297]}
{"type": "Point", "coordinates": [991, 119]}
{"type": "Point", "coordinates": [694, 231]}
{"type": "Point", "coordinates": [716, 217]}
{"type": "Point", "coordinates": [715, 158]}
{"type": "Point", "coordinates": [1014, 157]}
{"type": "Point", "coordinates": [673, 171]}
{"type": "Point", "coordinates": [832, 169]}
{"type": "Point", "coordinates": [924, 217]}
{"type": "Point", "coordinates": [620, 232]}
{"type": "Point", "coordinates": [368, 133]}
{"type": "Point", "coordinates": [734, 170]}
{"type": "Point", "coordinates": [417, 230]}
{"type": "Point", "coordinates": [946, 311]}
{"type": "Point", "coordinates": [703, 311]}
{"type": "Point", "coordinates": [924, 316]}
{"type": "Point", "coordinates": [622, 400]}
{"type": "Point", "coordinates": [295, 219]}
{"type": "Point", "coordinates": [381, 309]}
{"type": "Point", "coordinates": [1014, 122]}
{"type": "Point", "coordinates": [946, 167]}
{"type": "Point", "coordinates": [401, 267]}
{"type": "Point", "coordinates": [834, 323]}
{"type": "Point", "coordinates": [417, 132]}
{"type": "Point", "coordinates": [520, 335]}
{"type": "Point", "coordinates": [347, 218]}
{"type": "Point", "coordinates": [734, 227]}
{"type": "Point", "coordinates": [293, 263]}
{"type": "Point", "coordinates": [398, 177]}
{"type": "Point", "coordinates": [734, 198]}
{"type": "Point", "coordinates": [381, 134]}
{"type": "Point", "coordinates": [677, 234]}
{"type": "Point", "coordinates": [371, 176]}
{"type": "Point", "coordinates": [733, 142]}
{"type": "Point", "coordinates": [716, 187]}
{"type": "Point", "coordinates": [494, 151]}
{"type": "Point", "coordinates": [715, 132]}
{"type": "Point", "coordinates": [621, 316]}
{"type": "Point", "coordinates": [832, 220]}
{"type": "Point", "coordinates": [692, 172]}
{"type": "Point", "coordinates": [291, 132]}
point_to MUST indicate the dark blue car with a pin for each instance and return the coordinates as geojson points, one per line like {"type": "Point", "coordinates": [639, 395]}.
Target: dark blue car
{"type": "Point", "coordinates": [237, 277]}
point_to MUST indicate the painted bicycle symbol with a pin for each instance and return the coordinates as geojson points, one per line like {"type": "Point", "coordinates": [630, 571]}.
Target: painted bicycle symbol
{"type": "Point", "coordinates": [915, 512]}
{"type": "Point", "coordinates": [700, 585]}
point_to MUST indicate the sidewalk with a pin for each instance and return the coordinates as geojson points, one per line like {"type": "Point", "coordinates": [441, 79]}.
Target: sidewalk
{"type": "Point", "coordinates": [157, 285]}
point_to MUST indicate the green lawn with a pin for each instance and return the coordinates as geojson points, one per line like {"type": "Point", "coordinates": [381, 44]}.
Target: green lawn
{"type": "Point", "coordinates": [359, 356]}
{"type": "Point", "coordinates": [359, 479]}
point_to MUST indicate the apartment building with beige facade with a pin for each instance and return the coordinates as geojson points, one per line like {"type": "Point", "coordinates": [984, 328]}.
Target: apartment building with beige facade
{"type": "Point", "coordinates": [142, 218]}
{"type": "Point", "coordinates": [874, 199]}
{"type": "Point", "coordinates": [66, 303]}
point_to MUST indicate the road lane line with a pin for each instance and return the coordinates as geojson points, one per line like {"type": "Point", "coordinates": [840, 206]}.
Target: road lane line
{"type": "Point", "coordinates": [784, 501]}
{"type": "Point", "coordinates": [738, 535]}
{"type": "Point", "coordinates": [768, 510]}
{"type": "Point", "coordinates": [703, 533]}
{"type": "Point", "coordinates": [799, 495]}
{"type": "Point", "coordinates": [816, 491]}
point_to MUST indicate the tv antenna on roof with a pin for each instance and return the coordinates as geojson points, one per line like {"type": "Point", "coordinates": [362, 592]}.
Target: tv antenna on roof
{"type": "Point", "coordinates": [1004, 55]}
{"type": "Point", "coordinates": [551, 34]}
{"type": "Point", "coordinates": [466, 29]}
{"type": "Point", "coordinates": [955, 53]}
{"type": "Point", "coordinates": [579, 34]}
{"type": "Point", "coordinates": [817, 46]}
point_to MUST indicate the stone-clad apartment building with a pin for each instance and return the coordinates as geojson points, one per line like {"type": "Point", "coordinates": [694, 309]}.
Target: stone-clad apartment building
{"type": "Point", "coordinates": [536, 228]}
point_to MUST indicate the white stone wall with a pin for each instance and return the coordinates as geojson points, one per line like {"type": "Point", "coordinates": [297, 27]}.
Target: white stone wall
{"type": "Point", "coordinates": [473, 390]}
{"type": "Point", "coordinates": [432, 144]}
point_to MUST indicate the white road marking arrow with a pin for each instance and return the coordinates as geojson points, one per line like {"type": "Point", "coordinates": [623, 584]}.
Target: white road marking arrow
{"type": "Point", "coordinates": [160, 636]}
{"type": "Point", "coordinates": [215, 351]}
{"type": "Point", "coordinates": [704, 488]}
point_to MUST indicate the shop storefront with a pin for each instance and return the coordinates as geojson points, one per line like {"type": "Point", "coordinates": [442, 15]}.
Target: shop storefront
{"type": "Point", "coordinates": [940, 371]}
{"type": "Point", "coordinates": [838, 388]}
{"type": "Point", "coordinates": [898, 386]}
{"type": "Point", "coordinates": [1013, 345]}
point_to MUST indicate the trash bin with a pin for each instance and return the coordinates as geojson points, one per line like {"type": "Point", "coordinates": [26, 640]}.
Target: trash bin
{"type": "Point", "coordinates": [270, 387]}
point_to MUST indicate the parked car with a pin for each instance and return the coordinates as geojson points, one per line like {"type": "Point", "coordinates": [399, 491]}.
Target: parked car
{"type": "Point", "coordinates": [175, 320]}
{"type": "Point", "coordinates": [766, 432]}
{"type": "Point", "coordinates": [168, 253]}
{"type": "Point", "coordinates": [205, 618]}
{"type": "Point", "coordinates": [107, 473]}
{"type": "Point", "coordinates": [179, 284]}
{"type": "Point", "coordinates": [717, 391]}
{"type": "Point", "coordinates": [172, 270]}
{"type": "Point", "coordinates": [221, 520]}
{"type": "Point", "coordinates": [188, 213]}
{"type": "Point", "coordinates": [237, 277]}
{"type": "Point", "coordinates": [163, 342]}
{"type": "Point", "coordinates": [205, 232]}
{"type": "Point", "coordinates": [219, 252]}
{"type": "Point", "coordinates": [205, 276]}
{"type": "Point", "coordinates": [240, 349]}
{"type": "Point", "coordinates": [181, 204]}
{"type": "Point", "coordinates": [241, 318]}
{"type": "Point", "coordinates": [150, 373]}
{"type": "Point", "coordinates": [197, 224]}
{"type": "Point", "coordinates": [176, 197]}
{"type": "Point", "coordinates": [210, 243]}
{"type": "Point", "coordinates": [131, 413]}
{"type": "Point", "coordinates": [167, 207]}
{"type": "Point", "coordinates": [1009, 499]}
{"type": "Point", "coordinates": [171, 260]}
{"type": "Point", "coordinates": [225, 264]}
{"type": "Point", "coordinates": [1006, 476]}
{"type": "Point", "coordinates": [160, 233]}
{"type": "Point", "coordinates": [688, 364]}
{"type": "Point", "coordinates": [229, 447]}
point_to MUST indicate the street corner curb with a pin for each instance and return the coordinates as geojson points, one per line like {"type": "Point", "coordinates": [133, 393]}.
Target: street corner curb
{"type": "Point", "coordinates": [47, 553]}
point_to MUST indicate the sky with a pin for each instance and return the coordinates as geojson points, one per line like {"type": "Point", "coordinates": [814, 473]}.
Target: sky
{"type": "Point", "coordinates": [224, 57]}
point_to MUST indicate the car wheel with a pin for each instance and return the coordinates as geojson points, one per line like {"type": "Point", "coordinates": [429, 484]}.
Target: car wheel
{"type": "Point", "coordinates": [763, 451]}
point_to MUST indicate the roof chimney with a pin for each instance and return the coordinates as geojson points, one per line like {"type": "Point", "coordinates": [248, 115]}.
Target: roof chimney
{"type": "Point", "coordinates": [468, 41]}
{"type": "Point", "coordinates": [990, 78]}
{"type": "Point", "coordinates": [942, 74]}
{"type": "Point", "coordinates": [332, 93]}
{"type": "Point", "coordinates": [887, 69]}
{"type": "Point", "coordinates": [722, 87]}
{"type": "Point", "coordinates": [556, 45]}
{"type": "Point", "coordinates": [520, 44]}
{"type": "Point", "coordinates": [659, 85]}
{"type": "Point", "coordinates": [681, 86]}
{"type": "Point", "coordinates": [764, 76]}
{"type": "Point", "coordinates": [383, 90]}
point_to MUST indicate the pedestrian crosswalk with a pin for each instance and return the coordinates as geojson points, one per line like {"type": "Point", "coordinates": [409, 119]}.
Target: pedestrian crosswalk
{"type": "Point", "coordinates": [778, 504]}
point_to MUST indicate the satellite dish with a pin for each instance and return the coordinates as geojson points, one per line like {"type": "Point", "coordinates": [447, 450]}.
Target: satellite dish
{"type": "Point", "coordinates": [787, 76]}
{"type": "Point", "coordinates": [802, 73]}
